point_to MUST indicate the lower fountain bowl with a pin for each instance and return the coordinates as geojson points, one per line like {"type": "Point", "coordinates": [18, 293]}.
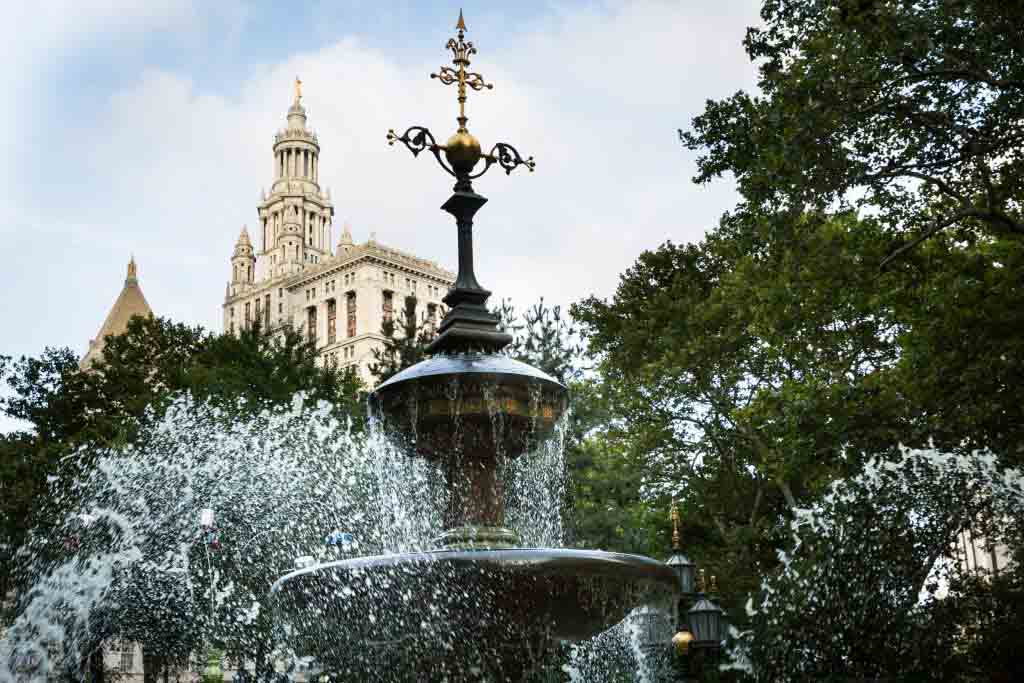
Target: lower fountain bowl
{"type": "Point", "coordinates": [497, 609]}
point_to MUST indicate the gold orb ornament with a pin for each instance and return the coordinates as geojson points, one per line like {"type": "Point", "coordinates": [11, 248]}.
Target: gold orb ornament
{"type": "Point", "coordinates": [681, 642]}
{"type": "Point", "coordinates": [462, 151]}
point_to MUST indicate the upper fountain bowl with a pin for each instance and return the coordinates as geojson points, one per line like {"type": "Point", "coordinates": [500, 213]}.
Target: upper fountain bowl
{"type": "Point", "coordinates": [470, 403]}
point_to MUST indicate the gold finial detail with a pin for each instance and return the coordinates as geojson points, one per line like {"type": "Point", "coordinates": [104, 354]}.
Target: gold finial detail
{"type": "Point", "coordinates": [132, 268]}
{"type": "Point", "coordinates": [701, 582]}
{"type": "Point", "coordinates": [298, 89]}
{"type": "Point", "coordinates": [461, 51]}
{"type": "Point", "coordinates": [681, 641]}
{"type": "Point", "coordinates": [714, 584]}
{"type": "Point", "coordinates": [676, 540]}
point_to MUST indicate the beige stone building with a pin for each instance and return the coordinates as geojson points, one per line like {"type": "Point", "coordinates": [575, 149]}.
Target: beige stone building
{"type": "Point", "coordinates": [338, 296]}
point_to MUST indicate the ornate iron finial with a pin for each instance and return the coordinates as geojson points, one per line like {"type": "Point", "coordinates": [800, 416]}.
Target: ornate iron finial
{"type": "Point", "coordinates": [468, 326]}
{"type": "Point", "coordinates": [462, 151]}
{"type": "Point", "coordinates": [461, 50]}
{"type": "Point", "coordinates": [676, 540]}
{"type": "Point", "coordinates": [701, 582]}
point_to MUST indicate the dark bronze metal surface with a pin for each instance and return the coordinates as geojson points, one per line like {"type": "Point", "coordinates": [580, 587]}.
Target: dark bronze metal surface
{"type": "Point", "coordinates": [470, 412]}
{"type": "Point", "coordinates": [496, 606]}
{"type": "Point", "coordinates": [468, 326]}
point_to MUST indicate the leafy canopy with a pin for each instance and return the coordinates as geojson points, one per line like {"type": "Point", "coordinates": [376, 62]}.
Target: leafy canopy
{"type": "Point", "coordinates": [915, 109]}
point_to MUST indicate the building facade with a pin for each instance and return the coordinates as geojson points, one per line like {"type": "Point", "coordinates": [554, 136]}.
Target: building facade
{"type": "Point", "coordinates": [337, 296]}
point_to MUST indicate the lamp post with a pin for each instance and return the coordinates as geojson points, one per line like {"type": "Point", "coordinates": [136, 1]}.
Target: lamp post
{"type": "Point", "coordinates": [699, 621]}
{"type": "Point", "coordinates": [680, 563]}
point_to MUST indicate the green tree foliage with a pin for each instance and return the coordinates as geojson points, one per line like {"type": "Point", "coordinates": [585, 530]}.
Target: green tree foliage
{"type": "Point", "coordinates": [406, 348]}
{"type": "Point", "coordinates": [858, 593]}
{"type": "Point", "coordinates": [743, 370]}
{"type": "Point", "coordinates": [915, 109]}
{"type": "Point", "coordinates": [138, 375]}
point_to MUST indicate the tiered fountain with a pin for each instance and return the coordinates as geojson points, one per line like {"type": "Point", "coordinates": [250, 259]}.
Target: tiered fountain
{"type": "Point", "coordinates": [479, 606]}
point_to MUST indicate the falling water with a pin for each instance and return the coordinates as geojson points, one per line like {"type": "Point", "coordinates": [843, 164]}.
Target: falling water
{"type": "Point", "coordinates": [130, 544]}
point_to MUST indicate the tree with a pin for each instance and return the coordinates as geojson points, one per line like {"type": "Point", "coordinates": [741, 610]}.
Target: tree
{"type": "Point", "coordinates": [743, 371]}
{"type": "Point", "coordinates": [913, 109]}
{"type": "Point", "coordinates": [406, 349]}
{"type": "Point", "coordinates": [858, 591]}
{"type": "Point", "coordinates": [139, 375]}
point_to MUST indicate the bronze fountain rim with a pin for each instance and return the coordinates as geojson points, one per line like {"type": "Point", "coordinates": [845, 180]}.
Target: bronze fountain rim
{"type": "Point", "coordinates": [469, 365]}
{"type": "Point", "coordinates": [540, 561]}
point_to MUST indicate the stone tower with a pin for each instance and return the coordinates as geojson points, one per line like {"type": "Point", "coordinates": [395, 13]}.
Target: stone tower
{"type": "Point", "coordinates": [338, 295]}
{"type": "Point", "coordinates": [243, 264]}
{"type": "Point", "coordinates": [295, 218]}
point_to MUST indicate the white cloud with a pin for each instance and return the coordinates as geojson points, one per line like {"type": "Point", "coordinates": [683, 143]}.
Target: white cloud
{"type": "Point", "coordinates": [595, 95]}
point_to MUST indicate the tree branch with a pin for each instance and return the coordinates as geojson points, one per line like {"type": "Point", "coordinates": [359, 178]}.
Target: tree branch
{"type": "Point", "coordinates": [988, 216]}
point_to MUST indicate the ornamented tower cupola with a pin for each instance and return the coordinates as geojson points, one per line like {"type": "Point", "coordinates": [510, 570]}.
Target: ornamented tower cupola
{"type": "Point", "coordinates": [243, 264]}
{"type": "Point", "coordinates": [295, 218]}
{"type": "Point", "coordinates": [345, 244]}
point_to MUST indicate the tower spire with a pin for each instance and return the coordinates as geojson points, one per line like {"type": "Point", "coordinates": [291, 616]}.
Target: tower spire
{"type": "Point", "coordinates": [133, 275]}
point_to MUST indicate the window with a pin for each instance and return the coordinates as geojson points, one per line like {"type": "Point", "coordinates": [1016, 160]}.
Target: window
{"type": "Point", "coordinates": [127, 655]}
{"type": "Point", "coordinates": [389, 298]}
{"type": "Point", "coordinates": [124, 651]}
{"type": "Point", "coordinates": [266, 312]}
{"type": "Point", "coordinates": [280, 307]}
{"type": "Point", "coordinates": [259, 312]}
{"type": "Point", "coordinates": [431, 315]}
{"type": "Point", "coordinates": [350, 301]}
{"type": "Point", "coordinates": [332, 311]}
{"type": "Point", "coordinates": [248, 316]}
{"type": "Point", "coordinates": [311, 324]}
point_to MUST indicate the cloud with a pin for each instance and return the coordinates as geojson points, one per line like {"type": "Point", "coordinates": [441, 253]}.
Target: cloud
{"type": "Point", "coordinates": [170, 168]}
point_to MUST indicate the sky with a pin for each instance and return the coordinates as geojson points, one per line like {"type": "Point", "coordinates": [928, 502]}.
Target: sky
{"type": "Point", "coordinates": [146, 127]}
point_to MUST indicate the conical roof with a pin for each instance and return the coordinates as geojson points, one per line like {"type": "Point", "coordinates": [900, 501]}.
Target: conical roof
{"type": "Point", "coordinates": [130, 302]}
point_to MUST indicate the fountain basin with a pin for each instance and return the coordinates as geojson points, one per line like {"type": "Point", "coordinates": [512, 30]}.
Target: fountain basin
{"type": "Point", "coordinates": [476, 404]}
{"type": "Point", "coordinates": [499, 606]}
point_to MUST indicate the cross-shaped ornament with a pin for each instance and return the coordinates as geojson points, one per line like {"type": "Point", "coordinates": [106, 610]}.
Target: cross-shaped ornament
{"type": "Point", "coordinates": [461, 50]}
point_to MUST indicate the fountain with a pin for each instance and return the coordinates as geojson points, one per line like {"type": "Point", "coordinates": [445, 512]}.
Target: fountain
{"type": "Point", "coordinates": [477, 606]}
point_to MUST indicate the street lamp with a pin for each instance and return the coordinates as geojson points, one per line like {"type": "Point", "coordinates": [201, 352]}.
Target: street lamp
{"type": "Point", "coordinates": [705, 619]}
{"type": "Point", "coordinates": [680, 563]}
